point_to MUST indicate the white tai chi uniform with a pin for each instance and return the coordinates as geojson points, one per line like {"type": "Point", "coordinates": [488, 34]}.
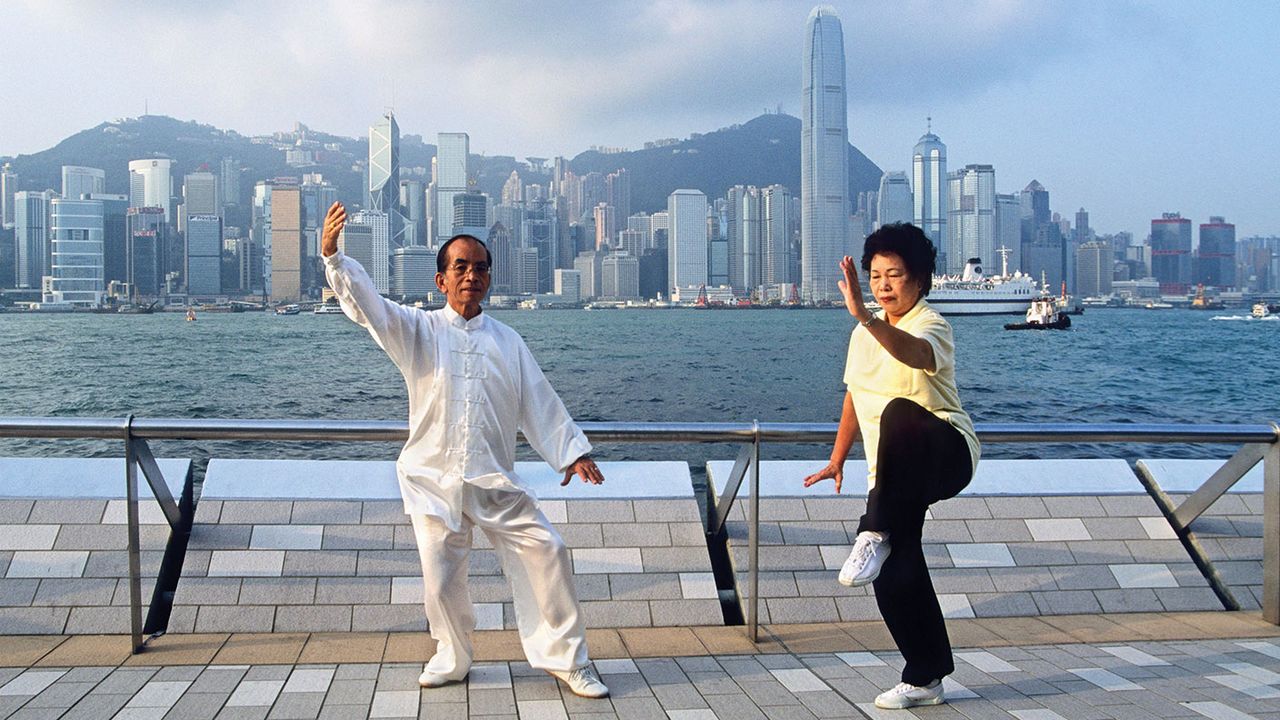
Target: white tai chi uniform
{"type": "Point", "coordinates": [472, 384]}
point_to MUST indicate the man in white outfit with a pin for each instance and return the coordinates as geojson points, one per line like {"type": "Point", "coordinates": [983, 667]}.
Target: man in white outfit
{"type": "Point", "coordinates": [472, 384]}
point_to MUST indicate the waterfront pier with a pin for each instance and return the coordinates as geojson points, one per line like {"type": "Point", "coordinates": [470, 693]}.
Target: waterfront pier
{"type": "Point", "coordinates": [1123, 588]}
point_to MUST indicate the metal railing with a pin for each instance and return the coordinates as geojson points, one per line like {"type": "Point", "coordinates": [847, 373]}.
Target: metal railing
{"type": "Point", "coordinates": [1260, 443]}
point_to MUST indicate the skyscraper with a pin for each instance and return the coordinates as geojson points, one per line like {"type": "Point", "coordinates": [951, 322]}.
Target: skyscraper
{"type": "Point", "coordinates": [230, 181]}
{"type": "Point", "coordinates": [617, 190]}
{"type": "Point", "coordinates": [971, 201]}
{"type": "Point", "coordinates": [686, 240]}
{"type": "Point", "coordinates": [146, 238]}
{"type": "Point", "coordinates": [200, 194]}
{"type": "Point", "coordinates": [78, 181]}
{"type": "Point", "coordinates": [824, 160]}
{"type": "Point", "coordinates": [383, 193]}
{"type": "Point", "coordinates": [777, 235]}
{"type": "Point", "coordinates": [31, 236]}
{"type": "Point", "coordinates": [151, 185]}
{"type": "Point", "coordinates": [8, 186]}
{"type": "Point", "coordinates": [379, 266]}
{"type": "Point", "coordinates": [452, 150]}
{"type": "Point", "coordinates": [1171, 252]}
{"type": "Point", "coordinates": [204, 255]}
{"type": "Point", "coordinates": [76, 235]}
{"type": "Point", "coordinates": [929, 178]}
{"type": "Point", "coordinates": [894, 202]}
{"type": "Point", "coordinates": [286, 243]}
{"type": "Point", "coordinates": [1008, 233]}
{"type": "Point", "coordinates": [1217, 254]}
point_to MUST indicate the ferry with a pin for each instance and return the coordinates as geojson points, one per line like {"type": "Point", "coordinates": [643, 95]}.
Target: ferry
{"type": "Point", "coordinates": [975, 294]}
{"type": "Point", "coordinates": [1261, 310]}
{"type": "Point", "coordinates": [288, 310]}
{"type": "Point", "coordinates": [327, 309]}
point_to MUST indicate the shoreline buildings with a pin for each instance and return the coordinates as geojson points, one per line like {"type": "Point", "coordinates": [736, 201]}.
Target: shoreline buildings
{"type": "Point", "coordinates": [824, 161]}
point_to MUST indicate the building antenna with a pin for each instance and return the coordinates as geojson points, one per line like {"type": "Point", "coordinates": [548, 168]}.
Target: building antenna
{"type": "Point", "coordinates": [929, 124]}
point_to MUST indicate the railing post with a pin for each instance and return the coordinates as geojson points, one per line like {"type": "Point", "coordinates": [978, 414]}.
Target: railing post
{"type": "Point", "coordinates": [1271, 532]}
{"type": "Point", "coordinates": [753, 600]}
{"type": "Point", "coordinates": [135, 551]}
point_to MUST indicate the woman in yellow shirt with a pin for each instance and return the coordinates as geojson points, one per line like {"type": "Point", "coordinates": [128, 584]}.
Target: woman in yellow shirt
{"type": "Point", "coordinates": [920, 446]}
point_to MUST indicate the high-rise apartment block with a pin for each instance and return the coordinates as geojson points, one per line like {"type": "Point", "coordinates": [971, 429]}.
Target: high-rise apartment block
{"type": "Point", "coordinates": [824, 158]}
{"type": "Point", "coordinates": [620, 276]}
{"type": "Point", "coordinates": [8, 187]}
{"type": "Point", "coordinates": [1095, 268]}
{"type": "Point", "coordinates": [779, 221]}
{"type": "Point", "coordinates": [379, 266]}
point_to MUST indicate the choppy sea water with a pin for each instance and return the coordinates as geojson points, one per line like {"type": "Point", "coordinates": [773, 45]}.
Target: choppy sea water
{"type": "Point", "coordinates": [1166, 366]}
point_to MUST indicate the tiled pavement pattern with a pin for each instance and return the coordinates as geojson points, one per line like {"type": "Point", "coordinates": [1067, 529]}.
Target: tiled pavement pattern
{"type": "Point", "coordinates": [989, 555]}
{"type": "Point", "coordinates": [797, 672]}
{"type": "Point", "coordinates": [63, 562]}
{"type": "Point", "coordinates": [325, 564]}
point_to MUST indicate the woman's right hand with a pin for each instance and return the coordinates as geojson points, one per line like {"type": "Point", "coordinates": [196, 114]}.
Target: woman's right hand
{"type": "Point", "coordinates": [831, 471]}
{"type": "Point", "coordinates": [851, 289]}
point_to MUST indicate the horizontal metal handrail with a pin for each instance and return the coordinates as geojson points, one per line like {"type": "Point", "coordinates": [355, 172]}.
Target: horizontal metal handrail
{"type": "Point", "coordinates": [654, 432]}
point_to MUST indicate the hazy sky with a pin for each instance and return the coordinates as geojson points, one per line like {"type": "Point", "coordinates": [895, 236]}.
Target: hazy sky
{"type": "Point", "coordinates": [1129, 109]}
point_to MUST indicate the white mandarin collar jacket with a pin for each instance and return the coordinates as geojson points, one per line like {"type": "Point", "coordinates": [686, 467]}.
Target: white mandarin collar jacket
{"type": "Point", "coordinates": [472, 384]}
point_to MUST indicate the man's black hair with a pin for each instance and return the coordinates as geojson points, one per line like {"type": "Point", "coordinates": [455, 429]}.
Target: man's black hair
{"type": "Point", "coordinates": [909, 243]}
{"type": "Point", "coordinates": [442, 257]}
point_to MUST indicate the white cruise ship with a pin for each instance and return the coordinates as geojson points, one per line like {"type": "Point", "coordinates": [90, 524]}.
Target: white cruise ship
{"type": "Point", "coordinates": [975, 294]}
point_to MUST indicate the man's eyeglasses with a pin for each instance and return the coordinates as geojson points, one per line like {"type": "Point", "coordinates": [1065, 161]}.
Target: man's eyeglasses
{"type": "Point", "coordinates": [461, 269]}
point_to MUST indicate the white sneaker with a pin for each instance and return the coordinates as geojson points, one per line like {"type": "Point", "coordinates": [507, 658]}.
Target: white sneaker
{"type": "Point", "coordinates": [865, 560]}
{"type": "Point", "coordinates": [583, 682]}
{"type": "Point", "coordinates": [905, 695]}
{"type": "Point", "coordinates": [430, 679]}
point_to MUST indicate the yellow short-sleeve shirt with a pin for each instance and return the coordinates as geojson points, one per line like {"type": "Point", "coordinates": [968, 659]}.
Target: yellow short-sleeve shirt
{"type": "Point", "coordinates": [874, 377]}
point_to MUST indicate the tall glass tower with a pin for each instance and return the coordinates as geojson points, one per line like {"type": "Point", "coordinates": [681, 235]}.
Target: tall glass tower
{"type": "Point", "coordinates": [929, 177]}
{"type": "Point", "coordinates": [384, 175]}
{"type": "Point", "coordinates": [824, 159]}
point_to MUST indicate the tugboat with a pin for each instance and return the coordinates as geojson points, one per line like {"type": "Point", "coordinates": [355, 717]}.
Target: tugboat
{"type": "Point", "coordinates": [1043, 314]}
{"type": "Point", "coordinates": [191, 314]}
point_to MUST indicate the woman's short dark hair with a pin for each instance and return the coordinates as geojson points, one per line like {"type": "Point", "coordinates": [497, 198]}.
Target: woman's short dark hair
{"type": "Point", "coordinates": [442, 257]}
{"type": "Point", "coordinates": [909, 243]}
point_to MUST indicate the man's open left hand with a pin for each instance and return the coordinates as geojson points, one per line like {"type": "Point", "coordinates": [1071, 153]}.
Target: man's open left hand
{"type": "Point", "coordinates": [585, 468]}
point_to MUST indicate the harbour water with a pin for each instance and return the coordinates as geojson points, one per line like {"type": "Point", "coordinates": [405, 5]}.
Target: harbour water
{"type": "Point", "coordinates": [1140, 366]}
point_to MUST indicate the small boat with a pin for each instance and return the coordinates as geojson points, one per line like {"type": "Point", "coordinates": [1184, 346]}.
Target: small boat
{"type": "Point", "coordinates": [1043, 314]}
{"type": "Point", "coordinates": [191, 314]}
{"type": "Point", "coordinates": [136, 309]}
{"type": "Point", "coordinates": [288, 310]}
{"type": "Point", "coordinates": [327, 309]}
{"type": "Point", "coordinates": [1260, 311]}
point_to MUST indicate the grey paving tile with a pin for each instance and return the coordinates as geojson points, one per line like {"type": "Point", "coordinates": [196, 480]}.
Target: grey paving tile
{"type": "Point", "coordinates": [1084, 577]}
{"type": "Point", "coordinates": [65, 511]}
{"type": "Point", "coordinates": [358, 537]}
{"type": "Point", "coordinates": [1040, 553]}
{"type": "Point", "coordinates": [388, 618]}
{"type": "Point", "coordinates": [314, 563]}
{"type": "Point", "coordinates": [297, 706]}
{"type": "Point", "coordinates": [98, 620]}
{"type": "Point", "coordinates": [352, 591]}
{"type": "Point", "coordinates": [326, 512]}
{"type": "Point", "coordinates": [600, 511]}
{"type": "Point", "coordinates": [814, 533]}
{"type": "Point", "coordinates": [278, 591]}
{"type": "Point", "coordinates": [15, 512]}
{"type": "Point", "coordinates": [217, 681]}
{"type": "Point", "coordinates": [1021, 578]}
{"type": "Point", "coordinates": [255, 512]}
{"type": "Point", "coordinates": [207, 591]}
{"type": "Point", "coordinates": [1077, 506]}
{"type": "Point", "coordinates": [197, 706]}
{"type": "Point", "coordinates": [33, 621]}
{"type": "Point", "coordinates": [1067, 602]}
{"type": "Point", "coordinates": [616, 613]}
{"type": "Point", "coordinates": [689, 559]}
{"type": "Point", "coordinates": [1007, 530]}
{"type": "Point", "coordinates": [645, 586]}
{"type": "Point", "coordinates": [18, 592]}
{"type": "Point", "coordinates": [1002, 604]}
{"type": "Point", "coordinates": [1115, 528]}
{"type": "Point", "coordinates": [234, 618]}
{"type": "Point", "coordinates": [636, 534]}
{"type": "Point", "coordinates": [313, 618]}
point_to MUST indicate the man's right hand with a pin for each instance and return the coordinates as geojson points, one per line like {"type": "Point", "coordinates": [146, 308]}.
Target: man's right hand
{"type": "Point", "coordinates": [333, 222]}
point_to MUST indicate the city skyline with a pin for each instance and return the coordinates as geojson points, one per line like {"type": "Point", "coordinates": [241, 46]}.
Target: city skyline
{"type": "Point", "coordinates": [1063, 93]}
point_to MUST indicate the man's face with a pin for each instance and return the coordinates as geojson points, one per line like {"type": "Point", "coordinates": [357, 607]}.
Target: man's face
{"type": "Point", "coordinates": [465, 279]}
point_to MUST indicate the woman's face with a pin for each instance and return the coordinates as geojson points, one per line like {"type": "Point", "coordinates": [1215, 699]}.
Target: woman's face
{"type": "Point", "coordinates": [891, 283]}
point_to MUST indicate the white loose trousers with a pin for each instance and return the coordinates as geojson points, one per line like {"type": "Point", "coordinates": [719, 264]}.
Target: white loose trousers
{"type": "Point", "coordinates": [536, 562]}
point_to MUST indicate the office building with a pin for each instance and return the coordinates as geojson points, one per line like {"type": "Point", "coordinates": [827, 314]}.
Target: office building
{"type": "Point", "coordinates": [894, 201]}
{"type": "Point", "coordinates": [1008, 243]}
{"type": "Point", "coordinates": [687, 246]}
{"type": "Point", "coordinates": [606, 217]}
{"type": "Point", "coordinates": [824, 160]}
{"type": "Point", "coordinates": [413, 271]}
{"type": "Point", "coordinates": [151, 185]}
{"type": "Point", "coordinates": [778, 222]}
{"type": "Point", "coordinates": [929, 182]}
{"type": "Point", "coordinates": [115, 233]}
{"type": "Point", "coordinates": [971, 200]}
{"type": "Point", "coordinates": [1095, 269]}
{"type": "Point", "coordinates": [76, 228]}
{"type": "Point", "coordinates": [8, 188]}
{"type": "Point", "coordinates": [528, 268]}
{"type": "Point", "coordinates": [617, 191]}
{"type": "Point", "coordinates": [1171, 253]}
{"type": "Point", "coordinates": [204, 256]}
{"type": "Point", "coordinates": [146, 240]}
{"type": "Point", "coordinates": [1216, 259]}
{"type": "Point", "coordinates": [78, 181]}
{"type": "Point", "coordinates": [452, 150]}
{"type": "Point", "coordinates": [471, 214]}
{"type": "Point", "coordinates": [568, 285]}
{"type": "Point", "coordinates": [588, 267]}
{"type": "Point", "coordinates": [379, 266]}
{"type": "Point", "coordinates": [382, 194]}
{"type": "Point", "coordinates": [32, 254]}
{"type": "Point", "coordinates": [413, 207]}
{"type": "Point", "coordinates": [229, 182]}
{"type": "Point", "coordinates": [356, 242]}
{"type": "Point", "coordinates": [287, 247]}
{"type": "Point", "coordinates": [620, 276]}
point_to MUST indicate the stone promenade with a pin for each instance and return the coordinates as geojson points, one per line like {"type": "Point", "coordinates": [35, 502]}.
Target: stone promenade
{"type": "Point", "coordinates": [1222, 665]}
